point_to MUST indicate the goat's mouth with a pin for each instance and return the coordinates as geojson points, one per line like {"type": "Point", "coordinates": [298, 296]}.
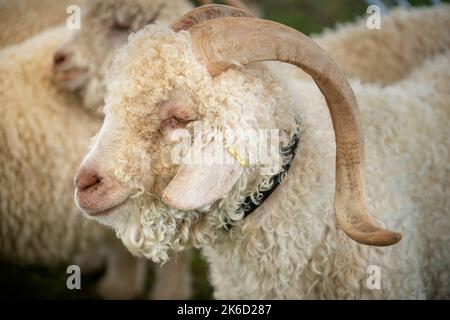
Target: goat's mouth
{"type": "Point", "coordinates": [107, 211]}
{"type": "Point", "coordinates": [71, 78]}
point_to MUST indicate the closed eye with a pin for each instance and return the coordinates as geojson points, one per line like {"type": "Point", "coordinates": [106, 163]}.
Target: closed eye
{"type": "Point", "coordinates": [175, 122]}
{"type": "Point", "coordinates": [183, 121]}
{"type": "Point", "coordinates": [121, 27]}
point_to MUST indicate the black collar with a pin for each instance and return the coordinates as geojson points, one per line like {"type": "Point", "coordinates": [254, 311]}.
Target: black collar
{"type": "Point", "coordinates": [256, 199]}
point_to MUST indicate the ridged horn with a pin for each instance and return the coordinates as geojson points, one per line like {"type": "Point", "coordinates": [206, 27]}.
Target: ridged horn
{"type": "Point", "coordinates": [222, 43]}
{"type": "Point", "coordinates": [205, 13]}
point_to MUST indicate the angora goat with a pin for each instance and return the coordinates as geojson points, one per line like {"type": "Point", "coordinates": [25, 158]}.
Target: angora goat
{"type": "Point", "coordinates": [82, 60]}
{"type": "Point", "coordinates": [38, 195]}
{"type": "Point", "coordinates": [163, 83]}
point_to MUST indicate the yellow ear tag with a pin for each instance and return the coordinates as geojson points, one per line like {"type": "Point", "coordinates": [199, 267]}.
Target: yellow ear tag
{"type": "Point", "coordinates": [234, 153]}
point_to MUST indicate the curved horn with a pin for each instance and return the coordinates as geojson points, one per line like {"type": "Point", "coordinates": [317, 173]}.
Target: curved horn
{"type": "Point", "coordinates": [223, 42]}
{"type": "Point", "coordinates": [204, 13]}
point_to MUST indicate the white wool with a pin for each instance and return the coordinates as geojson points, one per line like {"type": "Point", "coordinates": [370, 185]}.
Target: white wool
{"type": "Point", "coordinates": [291, 246]}
{"type": "Point", "coordinates": [386, 55]}
{"type": "Point", "coordinates": [44, 134]}
{"type": "Point", "coordinates": [143, 93]}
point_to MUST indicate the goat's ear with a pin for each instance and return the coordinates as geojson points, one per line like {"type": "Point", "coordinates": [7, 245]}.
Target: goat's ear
{"type": "Point", "coordinates": [198, 184]}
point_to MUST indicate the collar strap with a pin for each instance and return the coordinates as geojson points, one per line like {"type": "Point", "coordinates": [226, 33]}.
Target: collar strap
{"type": "Point", "coordinates": [256, 199]}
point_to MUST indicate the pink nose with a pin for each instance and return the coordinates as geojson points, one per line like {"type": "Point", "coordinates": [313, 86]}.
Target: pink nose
{"type": "Point", "coordinates": [91, 188]}
{"type": "Point", "coordinates": [87, 180]}
{"type": "Point", "coordinates": [97, 193]}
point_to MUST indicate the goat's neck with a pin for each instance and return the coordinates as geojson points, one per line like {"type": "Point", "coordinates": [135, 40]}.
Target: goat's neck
{"type": "Point", "coordinates": [298, 215]}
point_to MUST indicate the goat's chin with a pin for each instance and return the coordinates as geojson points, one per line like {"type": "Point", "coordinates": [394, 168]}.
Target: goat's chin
{"type": "Point", "coordinates": [151, 230]}
{"type": "Point", "coordinates": [113, 219]}
{"type": "Point", "coordinates": [73, 79]}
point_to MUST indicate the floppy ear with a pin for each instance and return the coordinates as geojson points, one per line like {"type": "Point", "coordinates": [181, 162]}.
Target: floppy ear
{"type": "Point", "coordinates": [198, 184]}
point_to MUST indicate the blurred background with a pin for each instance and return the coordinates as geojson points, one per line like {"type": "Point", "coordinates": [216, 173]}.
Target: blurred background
{"type": "Point", "coordinates": [309, 16]}
{"type": "Point", "coordinates": [313, 16]}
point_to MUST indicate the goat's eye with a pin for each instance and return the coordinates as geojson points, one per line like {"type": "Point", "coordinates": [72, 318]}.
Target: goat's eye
{"type": "Point", "coordinates": [182, 121]}
{"type": "Point", "coordinates": [121, 27]}
{"type": "Point", "coordinates": [175, 122]}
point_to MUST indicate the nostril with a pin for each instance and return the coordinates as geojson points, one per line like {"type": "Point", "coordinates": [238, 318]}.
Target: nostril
{"type": "Point", "coordinates": [87, 180]}
{"type": "Point", "coordinates": [59, 58]}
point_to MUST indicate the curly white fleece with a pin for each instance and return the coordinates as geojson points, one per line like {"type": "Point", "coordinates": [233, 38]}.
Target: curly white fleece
{"type": "Point", "coordinates": [131, 156]}
{"type": "Point", "coordinates": [290, 247]}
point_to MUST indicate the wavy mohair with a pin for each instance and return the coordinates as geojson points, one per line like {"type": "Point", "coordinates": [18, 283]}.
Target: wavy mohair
{"type": "Point", "coordinates": [291, 247]}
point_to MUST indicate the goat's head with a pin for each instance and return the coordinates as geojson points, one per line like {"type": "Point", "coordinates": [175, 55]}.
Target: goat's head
{"type": "Point", "coordinates": [163, 81]}
{"type": "Point", "coordinates": [82, 60]}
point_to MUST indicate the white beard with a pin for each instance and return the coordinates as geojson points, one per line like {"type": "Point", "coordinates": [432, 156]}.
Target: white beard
{"type": "Point", "coordinates": [153, 230]}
